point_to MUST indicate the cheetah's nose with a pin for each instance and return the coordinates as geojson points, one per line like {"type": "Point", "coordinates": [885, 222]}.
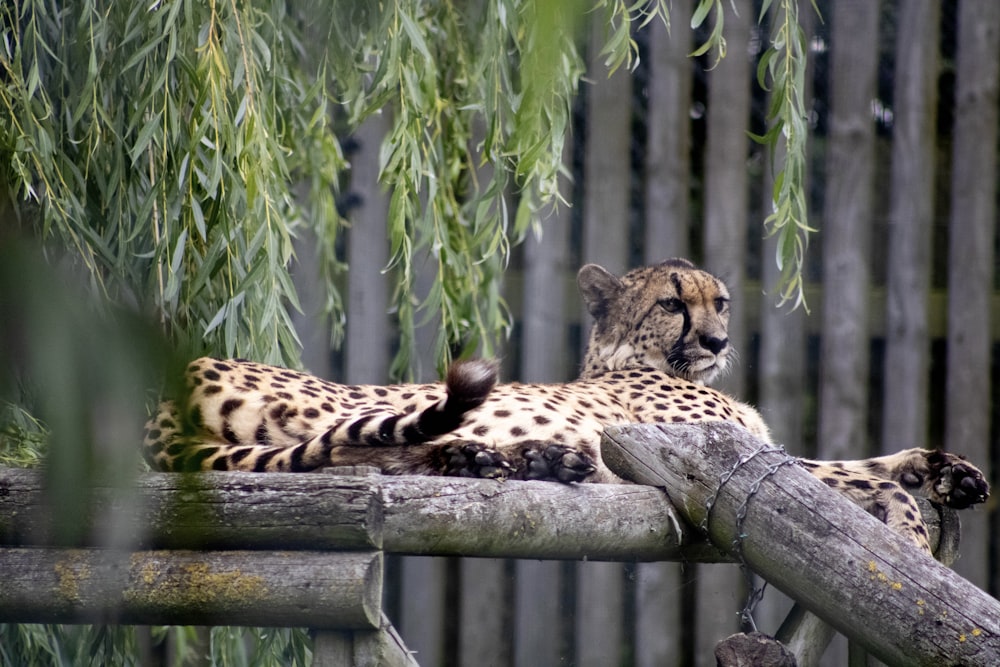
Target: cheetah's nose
{"type": "Point", "coordinates": [713, 344]}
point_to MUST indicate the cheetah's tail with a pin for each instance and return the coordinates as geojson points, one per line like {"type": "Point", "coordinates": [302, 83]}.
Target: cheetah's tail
{"type": "Point", "coordinates": [468, 383]}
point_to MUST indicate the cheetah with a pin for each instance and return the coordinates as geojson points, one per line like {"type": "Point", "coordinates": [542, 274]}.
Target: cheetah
{"type": "Point", "coordinates": [660, 335]}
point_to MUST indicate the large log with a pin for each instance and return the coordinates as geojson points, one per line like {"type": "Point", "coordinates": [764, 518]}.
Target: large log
{"type": "Point", "coordinates": [436, 516]}
{"type": "Point", "coordinates": [293, 588]}
{"type": "Point", "coordinates": [413, 515]}
{"type": "Point", "coordinates": [839, 562]}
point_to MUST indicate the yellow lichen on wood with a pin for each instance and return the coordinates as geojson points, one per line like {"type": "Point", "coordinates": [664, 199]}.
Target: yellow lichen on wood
{"type": "Point", "coordinates": [879, 575]}
{"type": "Point", "coordinates": [193, 584]}
{"type": "Point", "coordinates": [71, 572]}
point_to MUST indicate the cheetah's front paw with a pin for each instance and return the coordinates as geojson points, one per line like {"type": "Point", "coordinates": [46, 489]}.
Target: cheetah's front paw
{"type": "Point", "coordinates": [956, 482]}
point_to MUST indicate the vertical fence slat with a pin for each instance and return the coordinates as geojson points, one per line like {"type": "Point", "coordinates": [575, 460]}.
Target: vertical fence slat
{"type": "Point", "coordinates": [905, 422]}
{"type": "Point", "coordinates": [658, 615]}
{"type": "Point", "coordinates": [606, 181]}
{"type": "Point", "coordinates": [667, 228]}
{"type": "Point", "coordinates": [600, 634]}
{"type": "Point", "coordinates": [782, 366]}
{"type": "Point", "coordinates": [847, 223]}
{"type": "Point", "coordinates": [483, 638]}
{"type": "Point", "coordinates": [726, 224]}
{"type": "Point", "coordinates": [972, 227]}
{"type": "Point", "coordinates": [422, 607]}
{"type": "Point", "coordinates": [537, 626]}
{"type": "Point", "coordinates": [545, 318]}
{"type": "Point", "coordinates": [668, 140]}
{"type": "Point", "coordinates": [369, 328]}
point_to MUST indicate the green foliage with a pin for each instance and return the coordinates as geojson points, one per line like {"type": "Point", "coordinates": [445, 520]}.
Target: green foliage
{"type": "Point", "coordinates": [784, 64]}
{"type": "Point", "coordinates": [715, 42]}
{"type": "Point", "coordinates": [480, 96]}
{"type": "Point", "coordinates": [23, 438]}
{"type": "Point", "coordinates": [32, 644]}
{"type": "Point", "coordinates": [161, 142]}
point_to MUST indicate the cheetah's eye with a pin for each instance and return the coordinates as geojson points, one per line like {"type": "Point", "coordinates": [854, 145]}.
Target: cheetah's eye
{"type": "Point", "coordinates": [672, 305]}
{"type": "Point", "coordinates": [721, 303]}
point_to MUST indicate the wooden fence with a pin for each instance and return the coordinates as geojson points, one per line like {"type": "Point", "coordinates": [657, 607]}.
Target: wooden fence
{"type": "Point", "coordinates": [896, 351]}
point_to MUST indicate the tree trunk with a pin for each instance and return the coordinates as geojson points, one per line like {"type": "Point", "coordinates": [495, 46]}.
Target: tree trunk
{"type": "Point", "coordinates": [904, 422]}
{"type": "Point", "coordinates": [971, 257]}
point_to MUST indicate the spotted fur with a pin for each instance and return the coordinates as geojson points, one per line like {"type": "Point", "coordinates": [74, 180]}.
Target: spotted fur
{"type": "Point", "coordinates": [660, 333]}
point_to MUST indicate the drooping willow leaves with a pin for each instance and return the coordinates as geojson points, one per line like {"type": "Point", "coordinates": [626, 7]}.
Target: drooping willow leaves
{"type": "Point", "coordinates": [162, 144]}
{"type": "Point", "coordinates": [176, 147]}
{"type": "Point", "coordinates": [783, 67]}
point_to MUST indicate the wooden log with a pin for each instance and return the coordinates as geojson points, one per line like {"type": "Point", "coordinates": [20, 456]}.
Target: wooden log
{"type": "Point", "coordinates": [434, 516]}
{"type": "Point", "coordinates": [752, 650]}
{"type": "Point", "coordinates": [294, 588]}
{"type": "Point", "coordinates": [408, 514]}
{"type": "Point", "coordinates": [458, 517]}
{"type": "Point", "coordinates": [212, 510]}
{"type": "Point", "coordinates": [842, 564]}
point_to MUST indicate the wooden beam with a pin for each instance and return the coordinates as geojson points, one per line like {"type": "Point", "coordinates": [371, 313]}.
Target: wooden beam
{"type": "Point", "coordinates": [253, 588]}
{"type": "Point", "coordinates": [844, 565]}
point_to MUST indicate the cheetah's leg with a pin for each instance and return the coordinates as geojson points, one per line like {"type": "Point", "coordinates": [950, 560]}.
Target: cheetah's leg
{"type": "Point", "coordinates": [885, 499]}
{"type": "Point", "coordinates": [939, 476]}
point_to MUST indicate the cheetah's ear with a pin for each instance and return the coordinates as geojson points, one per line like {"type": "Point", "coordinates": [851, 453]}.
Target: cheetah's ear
{"type": "Point", "coordinates": [600, 288]}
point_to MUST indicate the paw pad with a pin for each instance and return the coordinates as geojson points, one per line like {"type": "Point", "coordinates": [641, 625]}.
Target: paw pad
{"type": "Point", "coordinates": [557, 462]}
{"type": "Point", "coordinates": [474, 460]}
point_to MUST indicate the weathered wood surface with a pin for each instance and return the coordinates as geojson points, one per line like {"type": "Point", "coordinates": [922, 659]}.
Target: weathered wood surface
{"type": "Point", "coordinates": [362, 648]}
{"type": "Point", "coordinates": [207, 511]}
{"type": "Point", "coordinates": [411, 515]}
{"type": "Point", "coordinates": [414, 515]}
{"type": "Point", "coordinates": [450, 516]}
{"type": "Point", "coordinates": [753, 650]}
{"type": "Point", "coordinates": [293, 588]}
{"type": "Point", "coordinates": [839, 562]}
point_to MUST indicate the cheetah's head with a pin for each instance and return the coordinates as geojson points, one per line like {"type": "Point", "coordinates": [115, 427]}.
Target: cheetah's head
{"type": "Point", "coordinates": [671, 316]}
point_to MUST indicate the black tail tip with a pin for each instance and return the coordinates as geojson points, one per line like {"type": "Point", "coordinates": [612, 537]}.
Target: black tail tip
{"type": "Point", "coordinates": [471, 381]}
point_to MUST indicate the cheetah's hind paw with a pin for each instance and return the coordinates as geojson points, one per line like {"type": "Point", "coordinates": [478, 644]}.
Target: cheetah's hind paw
{"type": "Point", "coordinates": [556, 462]}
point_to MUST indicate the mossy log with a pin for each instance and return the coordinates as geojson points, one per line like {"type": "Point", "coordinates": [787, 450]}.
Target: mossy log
{"type": "Point", "coordinates": [291, 588]}
{"type": "Point", "coordinates": [842, 564]}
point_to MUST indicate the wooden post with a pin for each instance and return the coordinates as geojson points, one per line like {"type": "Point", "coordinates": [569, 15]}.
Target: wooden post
{"type": "Point", "coordinates": [844, 565]}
